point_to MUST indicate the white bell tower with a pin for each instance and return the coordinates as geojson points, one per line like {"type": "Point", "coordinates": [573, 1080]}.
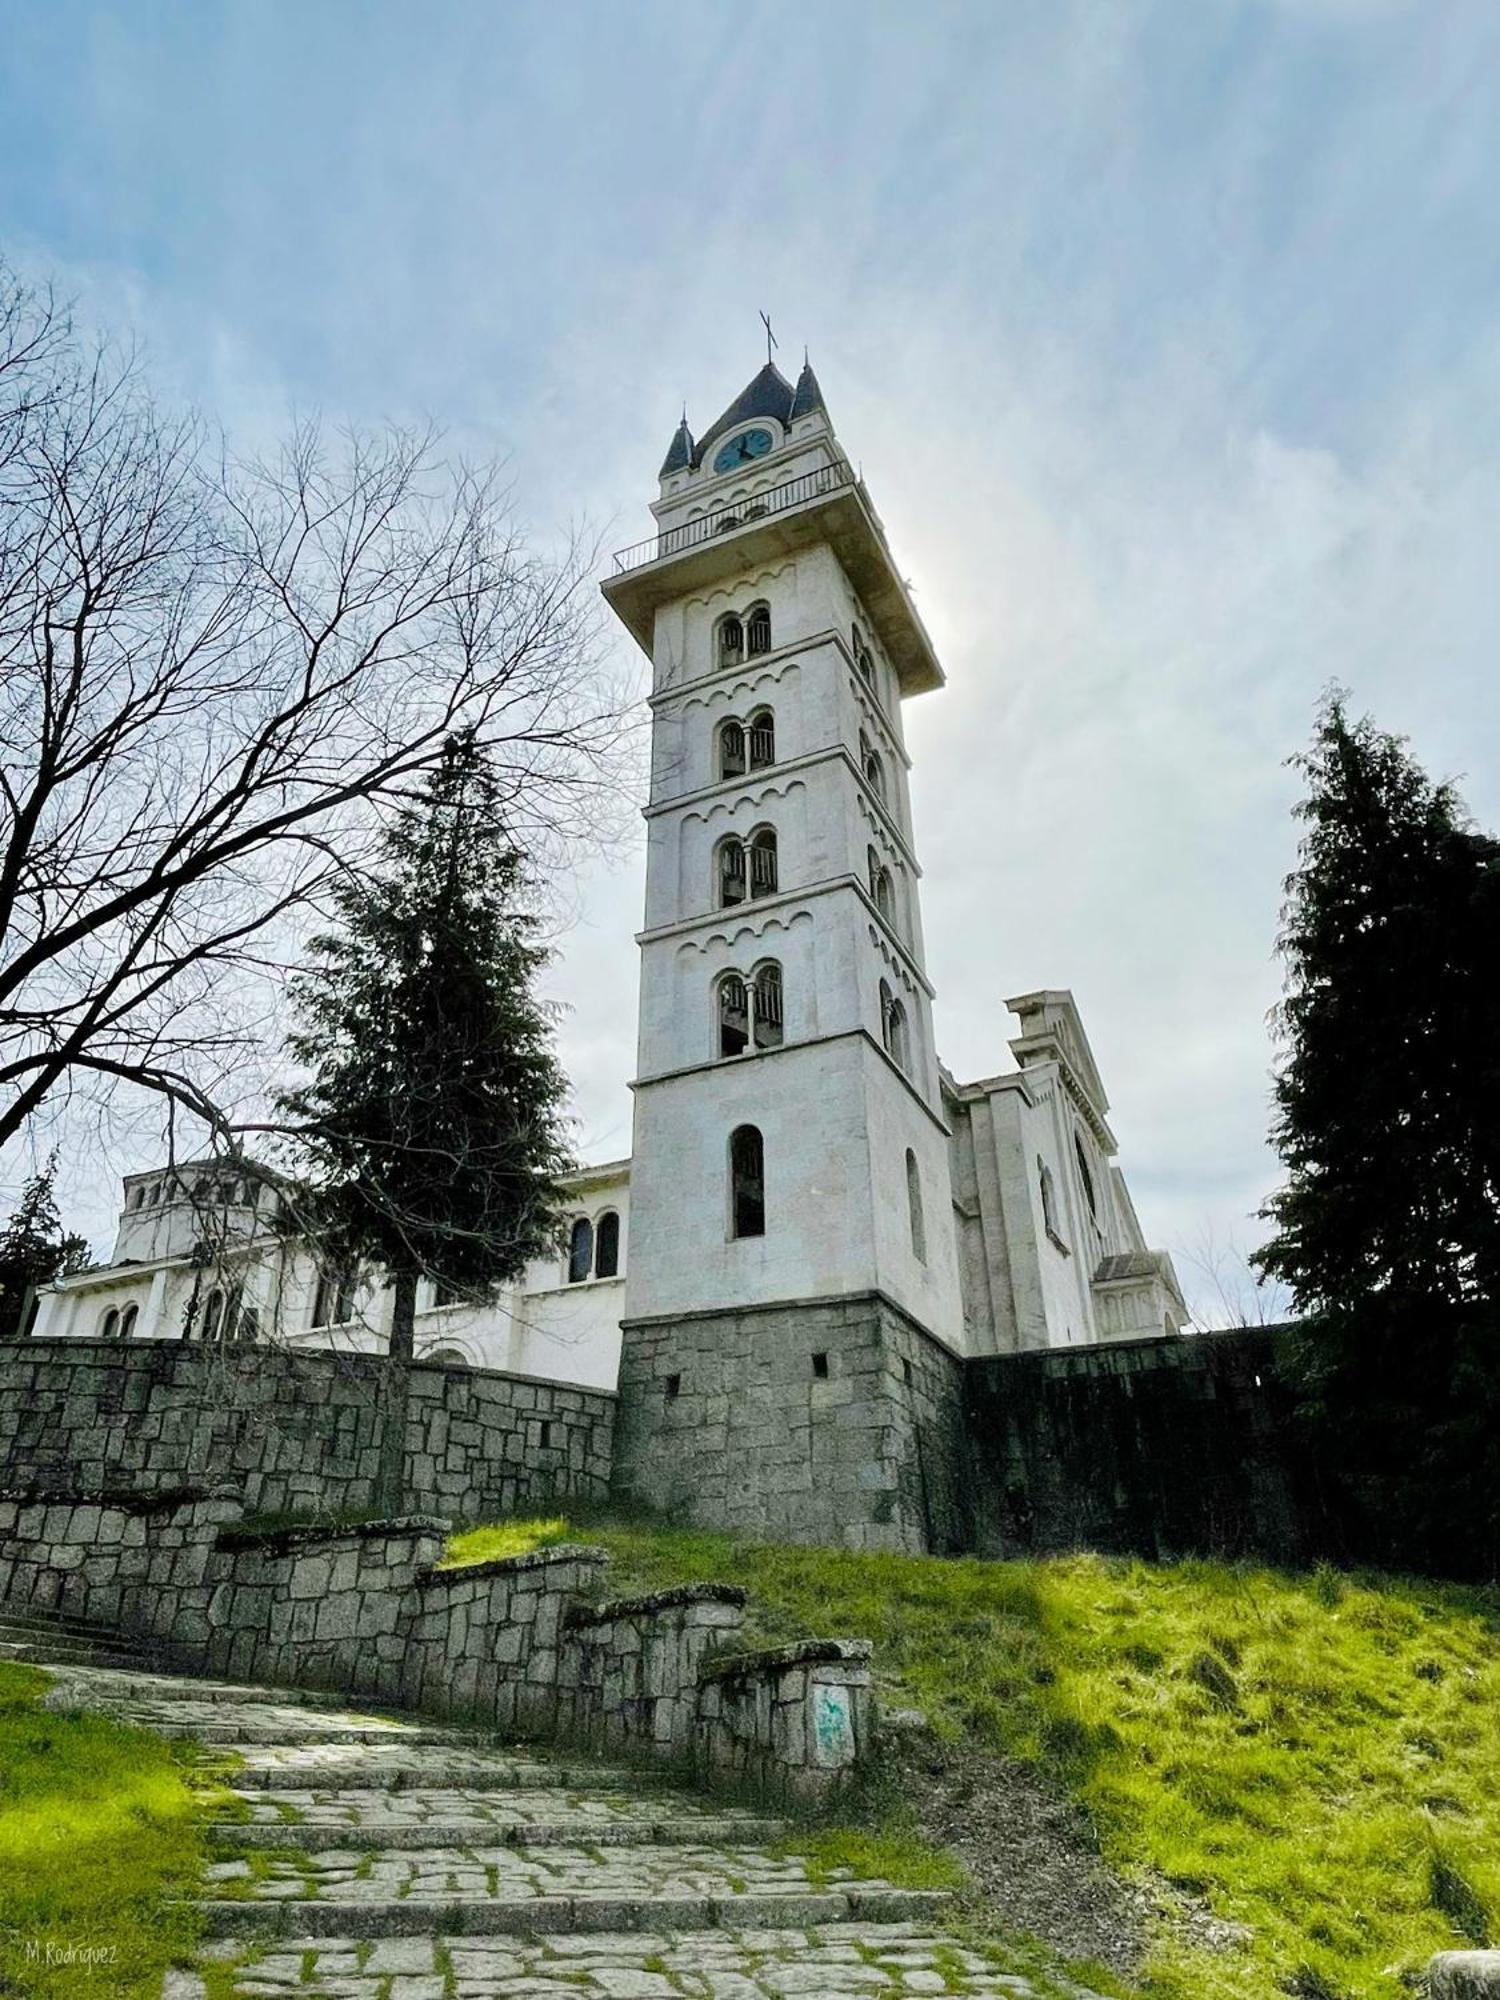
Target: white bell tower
{"type": "Point", "coordinates": [790, 1162]}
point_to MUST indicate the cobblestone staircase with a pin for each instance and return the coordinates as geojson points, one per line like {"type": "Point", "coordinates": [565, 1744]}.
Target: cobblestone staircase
{"type": "Point", "coordinates": [379, 1858]}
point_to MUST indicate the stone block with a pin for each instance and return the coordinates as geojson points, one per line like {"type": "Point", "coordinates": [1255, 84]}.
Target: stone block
{"type": "Point", "coordinates": [1464, 1975]}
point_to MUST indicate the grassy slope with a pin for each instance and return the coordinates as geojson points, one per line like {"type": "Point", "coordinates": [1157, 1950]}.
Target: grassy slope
{"type": "Point", "coordinates": [98, 1836]}
{"type": "Point", "coordinates": [1319, 1758]}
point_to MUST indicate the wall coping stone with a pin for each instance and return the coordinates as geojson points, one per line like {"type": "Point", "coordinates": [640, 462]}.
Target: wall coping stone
{"type": "Point", "coordinates": [360, 1364]}
{"type": "Point", "coordinates": [657, 1600]}
{"type": "Point", "coordinates": [277, 1541]}
{"type": "Point", "coordinates": [560, 1552]}
{"type": "Point", "coordinates": [772, 1659]}
{"type": "Point", "coordinates": [121, 1500]}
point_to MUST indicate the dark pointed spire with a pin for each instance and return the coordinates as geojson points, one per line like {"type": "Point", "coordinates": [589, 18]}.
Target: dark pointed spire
{"type": "Point", "coordinates": [768, 394]}
{"type": "Point", "coordinates": [680, 451]}
{"type": "Point", "coordinates": [807, 396]}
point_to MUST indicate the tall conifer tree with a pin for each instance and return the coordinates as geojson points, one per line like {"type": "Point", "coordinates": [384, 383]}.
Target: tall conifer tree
{"type": "Point", "coordinates": [1387, 1098]}
{"type": "Point", "coordinates": [432, 1112]}
{"type": "Point", "coordinates": [1387, 1228]}
{"type": "Point", "coordinates": [34, 1250]}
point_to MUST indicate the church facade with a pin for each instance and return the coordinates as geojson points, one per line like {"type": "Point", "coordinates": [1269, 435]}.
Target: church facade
{"type": "Point", "coordinates": [811, 1197]}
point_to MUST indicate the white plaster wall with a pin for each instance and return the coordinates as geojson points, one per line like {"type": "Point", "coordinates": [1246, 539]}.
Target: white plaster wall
{"type": "Point", "coordinates": [809, 1103]}
{"type": "Point", "coordinates": [929, 1290]}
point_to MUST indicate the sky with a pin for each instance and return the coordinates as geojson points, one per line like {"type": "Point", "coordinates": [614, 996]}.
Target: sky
{"type": "Point", "coordinates": [1165, 335]}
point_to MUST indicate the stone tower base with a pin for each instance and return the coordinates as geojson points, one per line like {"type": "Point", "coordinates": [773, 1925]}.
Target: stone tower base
{"type": "Point", "coordinates": [835, 1422]}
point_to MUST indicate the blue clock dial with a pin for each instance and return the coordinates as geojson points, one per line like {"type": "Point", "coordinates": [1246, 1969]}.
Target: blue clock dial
{"type": "Point", "coordinates": [740, 450]}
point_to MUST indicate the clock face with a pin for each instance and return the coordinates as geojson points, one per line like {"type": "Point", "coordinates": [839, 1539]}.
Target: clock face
{"type": "Point", "coordinates": [740, 450]}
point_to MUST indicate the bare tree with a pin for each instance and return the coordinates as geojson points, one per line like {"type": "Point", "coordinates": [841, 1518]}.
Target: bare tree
{"type": "Point", "coordinates": [213, 677]}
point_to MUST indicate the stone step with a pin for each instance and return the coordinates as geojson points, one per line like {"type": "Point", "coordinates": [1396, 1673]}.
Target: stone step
{"type": "Point", "coordinates": [545, 1915]}
{"type": "Point", "coordinates": [153, 1682]}
{"type": "Point", "coordinates": [48, 1653]}
{"type": "Point", "coordinates": [245, 1734]}
{"type": "Point", "coordinates": [879, 1961]}
{"type": "Point", "coordinates": [672, 1825]}
{"type": "Point", "coordinates": [392, 1767]}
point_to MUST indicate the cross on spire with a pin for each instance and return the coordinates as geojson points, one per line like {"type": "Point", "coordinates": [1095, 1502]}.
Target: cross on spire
{"type": "Point", "coordinates": [771, 340]}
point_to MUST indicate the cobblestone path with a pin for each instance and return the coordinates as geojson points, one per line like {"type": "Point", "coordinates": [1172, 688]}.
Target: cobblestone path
{"type": "Point", "coordinates": [381, 1858]}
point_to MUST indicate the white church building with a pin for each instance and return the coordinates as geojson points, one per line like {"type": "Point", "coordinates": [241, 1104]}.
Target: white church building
{"type": "Point", "coordinates": [797, 1140]}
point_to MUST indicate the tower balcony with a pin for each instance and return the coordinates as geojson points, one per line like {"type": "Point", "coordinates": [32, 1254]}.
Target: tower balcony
{"type": "Point", "coordinates": [827, 504]}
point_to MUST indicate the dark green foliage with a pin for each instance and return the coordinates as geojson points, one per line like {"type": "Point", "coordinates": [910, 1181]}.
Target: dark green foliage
{"type": "Point", "coordinates": [1388, 1094]}
{"type": "Point", "coordinates": [1388, 1121]}
{"type": "Point", "coordinates": [433, 1111]}
{"type": "Point", "coordinates": [34, 1250]}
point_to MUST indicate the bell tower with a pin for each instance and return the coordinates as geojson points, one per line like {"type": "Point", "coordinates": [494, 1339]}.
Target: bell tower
{"type": "Point", "coordinates": [793, 1316]}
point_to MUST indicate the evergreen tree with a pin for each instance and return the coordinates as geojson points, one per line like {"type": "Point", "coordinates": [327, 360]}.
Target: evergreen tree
{"type": "Point", "coordinates": [1387, 1228]}
{"type": "Point", "coordinates": [1388, 1093]}
{"type": "Point", "coordinates": [432, 1113]}
{"type": "Point", "coordinates": [34, 1250]}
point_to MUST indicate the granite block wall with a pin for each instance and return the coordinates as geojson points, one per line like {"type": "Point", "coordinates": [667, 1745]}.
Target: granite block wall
{"type": "Point", "coordinates": [291, 1432]}
{"type": "Point", "coordinates": [830, 1421]}
{"type": "Point", "coordinates": [516, 1645]}
{"type": "Point", "coordinates": [1158, 1448]}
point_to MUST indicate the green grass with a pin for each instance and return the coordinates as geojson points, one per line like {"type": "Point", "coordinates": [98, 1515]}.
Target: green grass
{"type": "Point", "coordinates": [1315, 1757]}
{"type": "Point", "coordinates": [99, 1839]}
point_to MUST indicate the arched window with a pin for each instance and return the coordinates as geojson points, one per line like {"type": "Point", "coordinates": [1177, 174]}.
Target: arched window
{"type": "Point", "coordinates": [731, 749]}
{"type": "Point", "coordinates": [607, 1246]}
{"type": "Point", "coordinates": [333, 1301]}
{"type": "Point", "coordinates": [874, 774]}
{"type": "Point", "coordinates": [109, 1326]}
{"type": "Point", "coordinates": [882, 887]}
{"type": "Point", "coordinates": [731, 641]}
{"type": "Point", "coordinates": [213, 1315]}
{"type": "Point", "coordinates": [866, 667]}
{"type": "Point", "coordinates": [914, 1207]}
{"type": "Point", "coordinates": [580, 1250]}
{"type": "Point", "coordinates": [758, 629]}
{"type": "Point", "coordinates": [1049, 1198]}
{"type": "Point", "coordinates": [763, 862]}
{"type": "Point", "coordinates": [1086, 1177]}
{"type": "Point", "coordinates": [766, 1002]}
{"type": "Point", "coordinates": [128, 1319]}
{"type": "Point", "coordinates": [731, 872]}
{"type": "Point", "coordinates": [747, 1182]}
{"type": "Point", "coordinates": [138, 1196]}
{"type": "Point", "coordinates": [893, 1031]}
{"type": "Point", "coordinates": [450, 1357]}
{"type": "Point", "coordinates": [734, 1015]}
{"type": "Point", "coordinates": [749, 1011]}
{"type": "Point", "coordinates": [762, 739]}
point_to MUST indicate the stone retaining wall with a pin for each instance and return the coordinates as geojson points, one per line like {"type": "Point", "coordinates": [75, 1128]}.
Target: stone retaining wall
{"type": "Point", "coordinates": [835, 1421]}
{"type": "Point", "coordinates": [514, 1644]}
{"type": "Point", "coordinates": [293, 1432]}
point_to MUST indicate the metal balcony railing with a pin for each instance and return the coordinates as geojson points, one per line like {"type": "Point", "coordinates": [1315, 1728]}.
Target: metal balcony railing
{"type": "Point", "coordinates": [738, 514]}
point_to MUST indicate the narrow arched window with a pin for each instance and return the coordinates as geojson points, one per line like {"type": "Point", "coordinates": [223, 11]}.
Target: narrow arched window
{"type": "Point", "coordinates": [109, 1326]}
{"type": "Point", "coordinates": [732, 883]}
{"type": "Point", "coordinates": [866, 667]}
{"type": "Point", "coordinates": [213, 1315]}
{"type": "Point", "coordinates": [766, 997]}
{"type": "Point", "coordinates": [893, 1027]}
{"type": "Point", "coordinates": [763, 862]}
{"type": "Point", "coordinates": [874, 774]}
{"type": "Point", "coordinates": [747, 1182]}
{"type": "Point", "coordinates": [731, 641]}
{"type": "Point", "coordinates": [1086, 1177]}
{"type": "Point", "coordinates": [758, 629]}
{"type": "Point", "coordinates": [882, 886]}
{"type": "Point", "coordinates": [128, 1319]}
{"type": "Point", "coordinates": [607, 1246]}
{"type": "Point", "coordinates": [731, 749]}
{"type": "Point", "coordinates": [580, 1250]}
{"type": "Point", "coordinates": [1049, 1197]}
{"type": "Point", "coordinates": [734, 1015]}
{"type": "Point", "coordinates": [914, 1207]}
{"type": "Point", "coordinates": [762, 739]}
